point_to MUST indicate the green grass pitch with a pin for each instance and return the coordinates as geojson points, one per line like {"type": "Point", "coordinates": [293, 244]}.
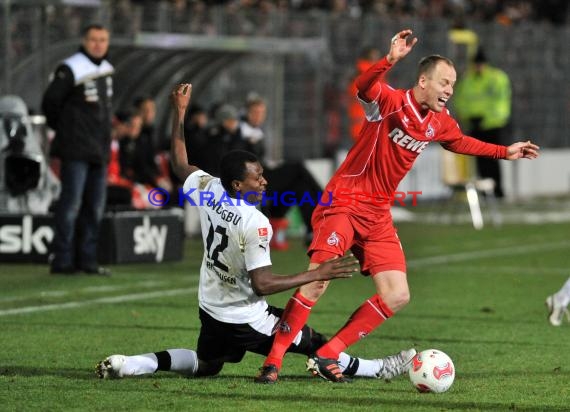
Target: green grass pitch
{"type": "Point", "coordinates": [477, 295]}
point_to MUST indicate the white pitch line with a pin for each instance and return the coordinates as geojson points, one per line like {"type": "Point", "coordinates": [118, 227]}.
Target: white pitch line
{"type": "Point", "coordinates": [88, 289]}
{"type": "Point", "coordinates": [111, 299]}
{"type": "Point", "coordinates": [478, 254]}
{"type": "Point", "coordinates": [433, 260]}
{"type": "Point", "coordinates": [43, 294]}
{"type": "Point", "coordinates": [519, 270]}
{"type": "Point", "coordinates": [111, 288]}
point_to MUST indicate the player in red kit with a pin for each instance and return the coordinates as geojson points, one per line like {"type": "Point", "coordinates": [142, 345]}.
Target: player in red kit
{"type": "Point", "coordinates": [399, 125]}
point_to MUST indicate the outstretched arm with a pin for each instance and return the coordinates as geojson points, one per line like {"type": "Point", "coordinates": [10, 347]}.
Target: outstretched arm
{"type": "Point", "coordinates": [366, 83]}
{"type": "Point", "coordinates": [180, 98]}
{"type": "Point", "coordinates": [522, 150]}
{"type": "Point", "coordinates": [471, 146]}
{"type": "Point", "coordinates": [402, 44]}
{"type": "Point", "coordinates": [265, 282]}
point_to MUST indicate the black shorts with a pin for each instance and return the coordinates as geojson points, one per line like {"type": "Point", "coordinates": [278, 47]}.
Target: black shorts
{"type": "Point", "coordinates": [228, 342]}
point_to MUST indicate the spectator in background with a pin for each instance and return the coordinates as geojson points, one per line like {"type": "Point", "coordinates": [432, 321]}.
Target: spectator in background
{"type": "Point", "coordinates": [126, 129]}
{"type": "Point", "coordinates": [146, 162]}
{"type": "Point", "coordinates": [196, 130]}
{"type": "Point", "coordinates": [251, 125]}
{"type": "Point", "coordinates": [483, 105]}
{"type": "Point", "coordinates": [142, 164]}
{"type": "Point", "coordinates": [124, 19]}
{"type": "Point", "coordinates": [77, 105]}
{"type": "Point", "coordinates": [223, 136]}
{"type": "Point", "coordinates": [356, 115]}
{"type": "Point", "coordinates": [230, 133]}
{"type": "Point", "coordinates": [196, 119]}
{"type": "Point", "coordinates": [196, 133]}
{"type": "Point", "coordinates": [286, 176]}
{"type": "Point", "coordinates": [137, 165]}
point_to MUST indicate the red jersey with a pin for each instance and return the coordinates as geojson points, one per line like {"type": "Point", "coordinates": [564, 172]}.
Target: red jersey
{"type": "Point", "coordinates": [395, 132]}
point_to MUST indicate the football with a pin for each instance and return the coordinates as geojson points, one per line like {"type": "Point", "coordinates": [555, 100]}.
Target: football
{"type": "Point", "coordinates": [432, 371]}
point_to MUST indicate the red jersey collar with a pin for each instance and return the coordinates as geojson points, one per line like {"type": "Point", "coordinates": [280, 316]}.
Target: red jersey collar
{"type": "Point", "coordinates": [418, 110]}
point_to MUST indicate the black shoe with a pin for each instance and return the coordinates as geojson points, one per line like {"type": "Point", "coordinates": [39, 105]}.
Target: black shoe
{"type": "Point", "coordinates": [97, 271]}
{"type": "Point", "coordinates": [326, 368]}
{"type": "Point", "coordinates": [267, 374]}
{"type": "Point", "coordinates": [62, 270]}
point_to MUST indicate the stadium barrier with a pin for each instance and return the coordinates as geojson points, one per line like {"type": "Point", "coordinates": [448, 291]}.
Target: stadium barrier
{"type": "Point", "coordinates": [125, 237]}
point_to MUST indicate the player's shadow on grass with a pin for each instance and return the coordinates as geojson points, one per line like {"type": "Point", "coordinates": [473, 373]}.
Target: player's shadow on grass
{"type": "Point", "coordinates": [354, 385]}
{"type": "Point", "coordinates": [266, 394]}
{"type": "Point", "coordinates": [84, 373]}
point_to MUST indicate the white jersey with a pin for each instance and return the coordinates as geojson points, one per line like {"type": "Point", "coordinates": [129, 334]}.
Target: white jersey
{"type": "Point", "coordinates": [236, 240]}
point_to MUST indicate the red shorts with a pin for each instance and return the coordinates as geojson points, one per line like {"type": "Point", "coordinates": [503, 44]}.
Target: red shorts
{"type": "Point", "coordinates": [372, 239]}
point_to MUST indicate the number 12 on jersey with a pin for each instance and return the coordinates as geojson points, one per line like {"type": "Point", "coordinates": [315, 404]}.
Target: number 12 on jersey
{"type": "Point", "coordinates": [214, 253]}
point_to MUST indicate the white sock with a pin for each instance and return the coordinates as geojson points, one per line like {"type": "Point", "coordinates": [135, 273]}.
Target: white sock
{"type": "Point", "coordinates": [183, 361]}
{"type": "Point", "coordinates": [563, 295]}
{"type": "Point", "coordinates": [365, 367]}
{"type": "Point", "coordinates": [139, 364]}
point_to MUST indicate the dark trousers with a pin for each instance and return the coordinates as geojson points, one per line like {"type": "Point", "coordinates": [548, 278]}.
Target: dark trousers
{"type": "Point", "coordinates": [295, 178]}
{"type": "Point", "coordinates": [487, 167]}
{"type": "Point", "coordinates": [78, 214]}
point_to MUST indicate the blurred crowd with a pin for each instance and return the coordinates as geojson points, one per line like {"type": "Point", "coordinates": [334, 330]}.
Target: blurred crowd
{"type": "Point", "coordinates": [506, 12]}
{"type": "Point", "coordinates": [140, 157]}
{"type": "Point", "coordinates": [265, 17]}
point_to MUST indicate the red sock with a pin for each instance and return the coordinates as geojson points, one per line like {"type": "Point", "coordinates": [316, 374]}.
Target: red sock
{"type": "Point", "coordinates": [364, 320]}
{"type": "Point", "coordinates": [294, 318]}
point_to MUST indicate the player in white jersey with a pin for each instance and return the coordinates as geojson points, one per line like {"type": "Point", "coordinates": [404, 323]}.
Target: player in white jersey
{"type": "Point", "coordinates": [236, 273]}
{"type": "Point", "coordinates": [236, 239]}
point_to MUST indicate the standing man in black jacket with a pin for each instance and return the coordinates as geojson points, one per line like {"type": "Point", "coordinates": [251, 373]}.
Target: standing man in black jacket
{"type": "Point", "coordinates": [77, 104]}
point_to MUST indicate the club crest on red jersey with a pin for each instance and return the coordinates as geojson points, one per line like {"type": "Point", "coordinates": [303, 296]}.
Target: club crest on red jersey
{"type": "Point", "coordinates": [333, 239]}
{"type": "Point", "coordinates": [430, 132]}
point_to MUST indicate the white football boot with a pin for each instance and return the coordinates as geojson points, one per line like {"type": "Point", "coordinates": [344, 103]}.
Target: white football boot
{"type": "Point", "coordinates": [110, 367]}
{"type": "Point", "coordinates": [396, 365]}
{"type": "Point", "coordinates": [556, 311]}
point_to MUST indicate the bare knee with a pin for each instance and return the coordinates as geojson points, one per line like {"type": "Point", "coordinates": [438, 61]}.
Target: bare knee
{"type": "Point", "coordinates": [397, 299]}
{"type": "Point", "coordinates": [392, 287]}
